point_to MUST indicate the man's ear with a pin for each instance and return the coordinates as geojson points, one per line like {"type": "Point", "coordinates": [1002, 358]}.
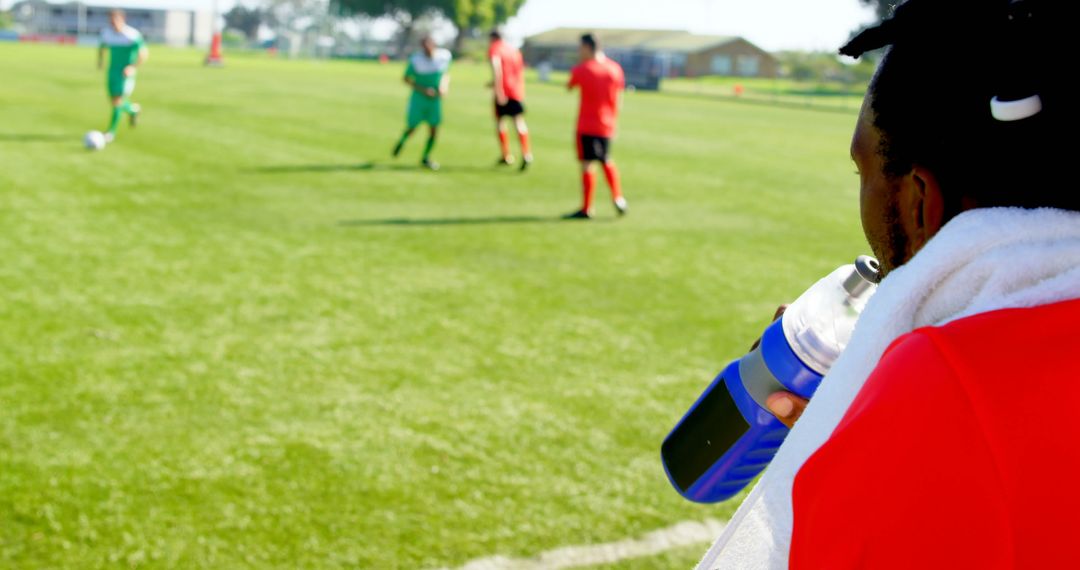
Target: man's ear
{"type": "Point", "coordinates": [922, 207]}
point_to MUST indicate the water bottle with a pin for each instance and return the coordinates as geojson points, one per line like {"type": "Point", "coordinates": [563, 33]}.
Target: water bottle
{"type": "Point", "coordinates": [728, 436]}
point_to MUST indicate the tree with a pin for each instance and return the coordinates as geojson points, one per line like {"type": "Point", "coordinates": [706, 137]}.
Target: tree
{"type": "Point", "coordinates": [883, 8]}
{"type": "Point", "coordinates": [472, 16]}
{"type": "Point", "coordinates": [294, 14]}
{"type": "Point", "coordinates": [506, 9]}
{"type": "Point", "coordinates": [295, 21]}
{"type": "Point", "coordinates": [244, 19]}
{"type": "Point", "coordinates": [405, 13]}
{"type": "Point", "coordinates": [466, 15]}
{"type": "Point", "coordinates": [469, 16]}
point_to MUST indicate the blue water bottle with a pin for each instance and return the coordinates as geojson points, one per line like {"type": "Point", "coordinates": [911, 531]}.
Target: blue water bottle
{"type": "Point", "coordinates": [728, 436]}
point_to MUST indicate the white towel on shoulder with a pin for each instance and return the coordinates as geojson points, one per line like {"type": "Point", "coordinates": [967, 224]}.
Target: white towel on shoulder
{"type": "Point", "coordinates": [982, 260]}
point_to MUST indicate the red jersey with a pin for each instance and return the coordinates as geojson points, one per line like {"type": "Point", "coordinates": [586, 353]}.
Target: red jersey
{"type": "Point", "coordinates": [959, 452]}
{"type": "Point", "coordinates": [600, 81]}
{"type": "Point", "coordinates": [513, 69]}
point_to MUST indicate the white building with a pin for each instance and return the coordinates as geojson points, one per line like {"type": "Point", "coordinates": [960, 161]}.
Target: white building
{"type": "Point", "coordinates": [86, 19]}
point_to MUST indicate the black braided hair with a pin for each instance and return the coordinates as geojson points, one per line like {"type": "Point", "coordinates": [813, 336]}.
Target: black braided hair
{"type": "Point", "coordinates": [590, 40]}
{"type": "Point", "coordinates": [931, 96]}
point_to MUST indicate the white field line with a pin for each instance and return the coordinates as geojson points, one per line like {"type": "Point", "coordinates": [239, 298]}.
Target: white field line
{"type": "Point", "coordinates": [659, 541]}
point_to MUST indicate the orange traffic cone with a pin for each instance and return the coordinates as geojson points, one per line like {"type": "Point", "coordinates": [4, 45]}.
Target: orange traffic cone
{"type": "Point", "coordinates": [214, 58]}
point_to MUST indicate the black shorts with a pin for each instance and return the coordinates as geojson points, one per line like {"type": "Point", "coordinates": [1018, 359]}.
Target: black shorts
{"type": "Point", "coordinates": [593, 148]}
{"type": "Point", "coordinates": [512, 108]}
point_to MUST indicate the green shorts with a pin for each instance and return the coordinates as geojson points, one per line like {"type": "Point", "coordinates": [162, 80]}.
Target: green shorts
{"type": "Point", "coordinates": [120, 86]}
{"type": "Point", "coordinates": [424, 110]}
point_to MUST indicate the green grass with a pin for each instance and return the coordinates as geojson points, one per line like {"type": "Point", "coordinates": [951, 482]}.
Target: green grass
{"type": "Point", "coordinates": [242, 337]}
{"type": "Point", "coordinates": [830, 95]}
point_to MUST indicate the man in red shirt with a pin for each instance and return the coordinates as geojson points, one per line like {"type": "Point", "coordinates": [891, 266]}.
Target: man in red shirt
{"type": "Point", "coordinates": [943, 436]}
{"type": "Point", "coordinates": [601, 82]}
{"type": "Point", "coordinates": [508, 82]}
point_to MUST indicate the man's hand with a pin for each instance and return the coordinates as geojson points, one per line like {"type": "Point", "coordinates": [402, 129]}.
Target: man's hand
{"type": "Point", "coordinates": [129, 71]}
{"type": "Point", "coordinates": [431, 92]}
{"type": "Point", "coordinates": [787, 407]}
{"type": "Point", "coordinates": [501, 98]}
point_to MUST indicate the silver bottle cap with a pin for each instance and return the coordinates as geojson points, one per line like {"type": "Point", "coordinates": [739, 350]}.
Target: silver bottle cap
{"type": "Point", "coordinates": [867, 272]}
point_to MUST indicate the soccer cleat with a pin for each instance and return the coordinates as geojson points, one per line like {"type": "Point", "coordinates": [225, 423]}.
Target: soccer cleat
{"type": "Point", "coordinates": [578, 215]}
{"type": "Point", "coordinates": [429, 164]}
{"type": "Point", "coordinates": [505, 161]}
{"type": "Point", "coordinates": [621, 206]}
{"type": "Point", "coordinates": [526, 161]}
{"type": "Point", "coordinates": [110, 137]}
{"type": "Point", "coordinates": [133, 118]}
{"type": "Point", "coordinates": [397, 148]}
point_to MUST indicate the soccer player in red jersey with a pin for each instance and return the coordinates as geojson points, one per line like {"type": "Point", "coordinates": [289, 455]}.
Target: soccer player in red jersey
{"type": "Point", "coordinates": [601, 82]}
{"type": "Point", "coordinates": [508, 82]}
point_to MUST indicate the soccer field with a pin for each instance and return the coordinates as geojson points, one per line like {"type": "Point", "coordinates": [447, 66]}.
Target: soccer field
{"type": "Point", "coordinates": [243, 336]}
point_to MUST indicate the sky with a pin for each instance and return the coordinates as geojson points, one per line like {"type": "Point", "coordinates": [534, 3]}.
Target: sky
{"type": "Point", "coordinates": [771, 24]}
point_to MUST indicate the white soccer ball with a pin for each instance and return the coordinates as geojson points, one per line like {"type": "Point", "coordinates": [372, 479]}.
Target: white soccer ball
{"type": "Point", "coordinates": [94, 140]}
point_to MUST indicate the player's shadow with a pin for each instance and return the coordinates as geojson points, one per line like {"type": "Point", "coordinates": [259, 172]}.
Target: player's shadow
{"type": "Point", "coordinates": [363, 167]}
{"type": "Point", "coordinates": [34, 137]}
{"type": "Point", "coordinates": [487, 220]}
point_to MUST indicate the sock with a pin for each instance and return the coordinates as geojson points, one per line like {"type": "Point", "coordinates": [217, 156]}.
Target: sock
{"type": "Point", "coordinates": [115, 121]}
{"type": "Point", "coordinates": [128, 107]}
{"type": "Point", "coordinates": [401, 141]}
{"type": "Point", "coordinates": [588, 183]}
{"type": "Point", "coordinates": [430, 145]}
{"type": "Point", "coordinates": [504, 143]}
{"type": "Point", "coordinates": [612, 175]}
{"type": "Point", "coordinates": [525, 149]}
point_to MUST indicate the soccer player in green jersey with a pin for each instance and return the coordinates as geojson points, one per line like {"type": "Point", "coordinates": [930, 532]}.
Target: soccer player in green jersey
{"type": "Point", "coordinates": [428, 75]}
{"type": "Point", "coordinates": [127, 51]}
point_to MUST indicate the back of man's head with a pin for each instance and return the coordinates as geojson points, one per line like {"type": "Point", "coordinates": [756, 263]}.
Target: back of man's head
{"type": "Point", "coordinates": [932, 98]}
{"type": "Point", "coordinates": [589, 40]}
